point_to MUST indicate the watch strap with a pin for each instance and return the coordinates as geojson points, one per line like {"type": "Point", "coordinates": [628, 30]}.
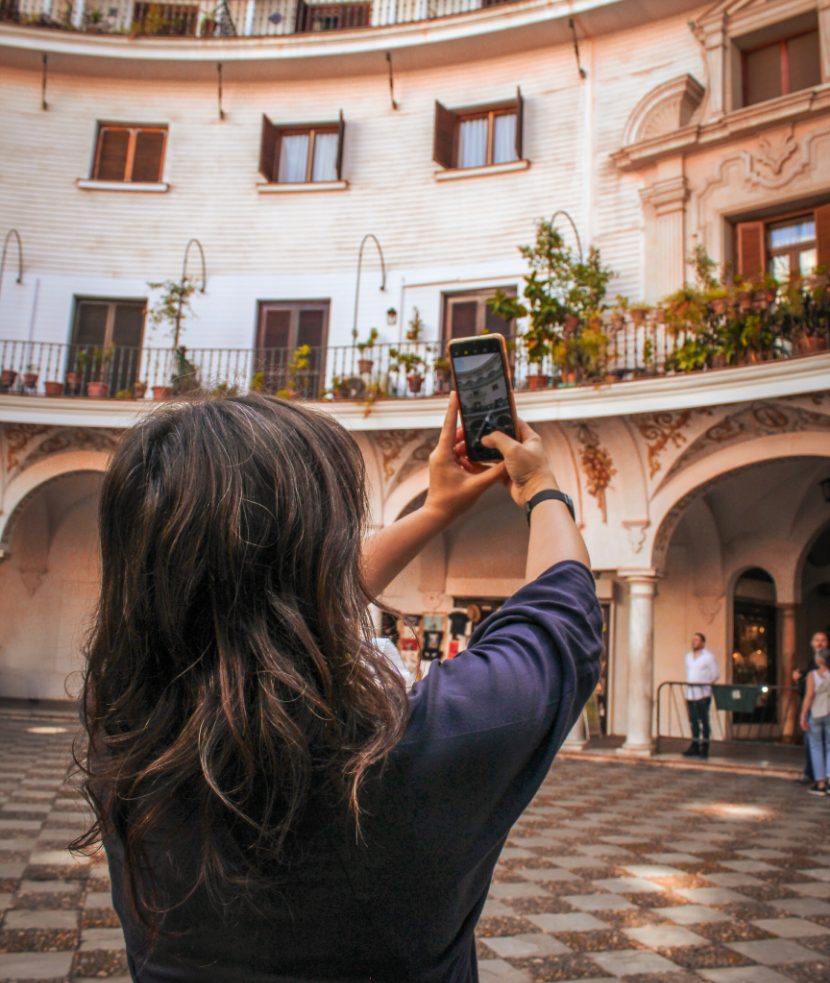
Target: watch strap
{"type": "Point", "coordinates": [549, 494]}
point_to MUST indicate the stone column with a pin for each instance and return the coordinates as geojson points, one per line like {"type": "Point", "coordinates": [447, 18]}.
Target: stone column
{"type": "Point", "coordinates": [789, 705]}
{"type": "Point", "coordinates": [642, 588]}
{"type": "Point", "coordinates": [577, 739]}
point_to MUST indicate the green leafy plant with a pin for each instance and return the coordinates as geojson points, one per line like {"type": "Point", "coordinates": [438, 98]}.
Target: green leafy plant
{"type": "Point", "coordinates": [173, 305]}
{"type": "Point", "coordinates": [416, 326]}
{"type": "Point", "coordinates": [296, 369]}
{"type": "Point", "coordinates": [368, 342]}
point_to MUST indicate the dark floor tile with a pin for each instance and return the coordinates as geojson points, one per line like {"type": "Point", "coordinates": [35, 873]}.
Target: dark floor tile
{"type": "Point", "coordinates": [37, 940]}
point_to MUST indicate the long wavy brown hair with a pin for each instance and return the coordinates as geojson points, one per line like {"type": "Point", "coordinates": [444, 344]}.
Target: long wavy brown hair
{"type": "Point", "coordinates": [230, 670]}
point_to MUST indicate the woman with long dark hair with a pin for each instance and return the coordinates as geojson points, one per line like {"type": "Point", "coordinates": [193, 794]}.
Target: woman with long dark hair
{"type": "Point", "coordinates": [273, 805]}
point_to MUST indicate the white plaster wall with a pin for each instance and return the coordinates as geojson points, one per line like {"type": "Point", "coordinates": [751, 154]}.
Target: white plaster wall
{"type": "Point", "coordinates": [436, 236]}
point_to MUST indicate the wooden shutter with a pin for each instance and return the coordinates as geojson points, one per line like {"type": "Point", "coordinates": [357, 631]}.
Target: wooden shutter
{"type": "Point", "coordinates": [442, 152]}
{"type": "Point", "coordinates": [823, 237]}
{"type": "Point", "coordinates": [341, 132]}
{"type": "Point", "coordinates": [520, 113]}
{"type": "Point", "coordinates": [268, 150]}
{"type": "Point", "coordinates": [148, 156]}
{"type": "Point", "coordinates": [751, 249]}
{"type": "Point", "coordinates": [111, 159]}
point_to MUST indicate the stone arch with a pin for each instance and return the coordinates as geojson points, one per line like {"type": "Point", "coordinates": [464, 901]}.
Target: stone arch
{"type": "Point", "coordinates": [49, 582]}
{"type": "Point", "coordinates": [667, 108]}
{"type": "Point", "coordinates": [669, 504]}
{"type": "Point", "coordinates": [48, 469]}
{"type": "Point", "coordinates": [410, 488]}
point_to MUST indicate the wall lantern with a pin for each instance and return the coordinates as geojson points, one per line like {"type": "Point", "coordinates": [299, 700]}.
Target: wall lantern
{"type": "Point", "coordinates": [391, 317]}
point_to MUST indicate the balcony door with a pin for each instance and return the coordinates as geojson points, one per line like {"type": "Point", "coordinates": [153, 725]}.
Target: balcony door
{"type": "Point", "coordinates": [106, 341]}
{"type": "Point", "coordinates": [285, 327]}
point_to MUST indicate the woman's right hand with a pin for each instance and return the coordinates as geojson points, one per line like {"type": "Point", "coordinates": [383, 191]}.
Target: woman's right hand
{"type": "Point", "coordinates": [526, 463]}
{"type": "Point", "coordinates": [805, 724]}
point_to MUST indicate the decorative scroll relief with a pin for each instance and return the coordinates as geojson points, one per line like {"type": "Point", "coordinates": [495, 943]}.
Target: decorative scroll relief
{"type": "Point", "coordinates": [417, 459]}
{"type": "Point", "coordinates": [777, 160]}
{"type": "Point", "coordinates": [759, 419]}
{"type": "Point", "coordinates": [26, 443]}
{"type": "Point", "coordinates": [597, 465]}
{"type": "Point", "coordinates": [390, 444]}
{"type": "Point", "coordinates": [667, 108]}
{"type": "Point", "coordinates": [659, 430]}
{"type": "Point", "coordinates": [19, 438]}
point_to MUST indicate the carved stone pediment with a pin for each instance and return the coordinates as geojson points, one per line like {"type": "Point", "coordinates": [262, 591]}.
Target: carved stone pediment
{"type": "Point", "coordinates": [667, 108]}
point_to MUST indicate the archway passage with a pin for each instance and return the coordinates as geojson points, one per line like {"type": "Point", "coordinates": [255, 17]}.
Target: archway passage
{"type": "Point", "coordinates": [48, 587]}
{"type": "Point", "coordinates": [815, 592]}
{"type": "Point", "coordinates": [731, 571]}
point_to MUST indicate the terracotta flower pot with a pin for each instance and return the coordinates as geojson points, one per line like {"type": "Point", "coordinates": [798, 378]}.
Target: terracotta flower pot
{"type": "Point", "coordinates": [364, 365]}
{"type": "Point", "coordinates": [73, 382]}
{"type": "Point", "coordinates": [568, 378]}
{"type": "Point", "coordinates": [162, 392]}
{"type": "Point", "coordinates": [53, 388]}
{"type": "Point", "coordinates": [537, 381]}
{"type": "Point", "coordinates": [30, 379]}
{"type": "Point", "coordinates": [139, 390]}
{"type": "Point", "coordinates": [415, 382]}
{"type": "Point", "coordinates": [7, 377]}
{"type": "Point", "coordinates": [98, 390]}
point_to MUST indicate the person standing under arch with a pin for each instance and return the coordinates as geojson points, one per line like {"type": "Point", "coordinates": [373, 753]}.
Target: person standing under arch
{"type": "Point", "coordinates": [701, 671]}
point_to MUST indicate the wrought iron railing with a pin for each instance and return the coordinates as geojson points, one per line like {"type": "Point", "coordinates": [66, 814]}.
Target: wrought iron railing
{"type": "Point", "coordinates": [625, 351]}
{"type": "Point", "coordinates": [738, 712]}
{"type": "Point", "coordinates": [228, 18]}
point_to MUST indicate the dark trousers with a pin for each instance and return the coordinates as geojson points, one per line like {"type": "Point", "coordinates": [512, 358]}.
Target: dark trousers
{"type": "Point", "coordinates": [699, 718]}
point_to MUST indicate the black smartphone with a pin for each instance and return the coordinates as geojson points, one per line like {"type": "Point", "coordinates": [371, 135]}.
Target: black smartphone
{"type": "Point", "coordinates": [481, 374]}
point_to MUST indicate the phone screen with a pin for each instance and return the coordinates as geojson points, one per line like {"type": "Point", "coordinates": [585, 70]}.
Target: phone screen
{"type": "Point", "coordinates": [484, 397]}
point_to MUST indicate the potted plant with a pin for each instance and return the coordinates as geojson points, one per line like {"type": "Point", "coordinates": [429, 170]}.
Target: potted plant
{"type": "Point", "coordinates": [30, 377]}
{"type": "Point", "coordinates": [139, 389]}
{"type": "Point", "coordinates": [443, 373]}
{"type": "Point", "coordinates": [412, 364]}
{"type": "Point", "coordinates": [210, 23]}
{"type": "Point", "coordinates": [564, 354]}
{"type": "Point", "coordinates": [171, 310]}
{"type": "Point", "coordinates": [257, 382]}
{"type": "Point", "coordinates": [416, 326]}
{"type": "Point", "coordinates": [95, 363]}
{"type": "Point", "coordinates": [365, 365]}
{"type": "Point", "coordinates": [7, 377]}
{"type": "Point", "coordinates": [296, 369]}
{"type": "Point", "coordinates": [53, 388]}
{"type": "Point", "coordinates": [592, 348]}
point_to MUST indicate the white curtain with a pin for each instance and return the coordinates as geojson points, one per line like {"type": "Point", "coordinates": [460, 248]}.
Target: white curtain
{"type": "Point", "coordinates": [504, 138]}
{"type": "Point", "coordinates": [472, 143]}
{"type": "Point", "coordinates": [324, 167]}
{"type": "Point", "coordinates": [293, 157]}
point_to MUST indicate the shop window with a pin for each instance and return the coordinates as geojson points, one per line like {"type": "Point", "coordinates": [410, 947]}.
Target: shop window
{"type": "Point", "coordinates": [283, 328]}
{"type": "Point", "coordinates": [780, 60]}
{"type": "Point", "coordinates": [301, 154]}
{"type": "Point", "coordinates": [787, 246]}
{"type": "Point", "coordinates": [479, 136]}
{"type": "Point", "coordinates": [129, 153]}
{"type": "Point", "coordinates": [467, 314]}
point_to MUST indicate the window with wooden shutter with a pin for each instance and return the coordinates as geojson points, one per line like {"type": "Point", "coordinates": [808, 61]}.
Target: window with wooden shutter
{"type": "Point", "coordinates": [788, 246]}
{"type": "Point", "coordinates": [478, 136]}
{"type": "Point", "coordinates": [467, 314]}
{"type": "Point", "coordinates": [129, 153]}
{"type": "Point", "coordinates": [268, 149]}
{"type": "Point", "coordinates": [116, 326]}
{"type": "Point", "coordinates": [444, 138]}
{"type": "Point", "coordinates": [823, 237]}
{"type": "Point", "coordinates": [302, 154]}
{"type": "Point", "coordinates": [284, 326]}
{"type": "Point", "coordinates": [751, 261]}
{"type": "Point", "coordinates": [780, 59]}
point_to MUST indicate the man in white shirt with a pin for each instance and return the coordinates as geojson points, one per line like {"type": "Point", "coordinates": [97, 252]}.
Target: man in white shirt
{"type": "Point", "coordinates": [701, 671]}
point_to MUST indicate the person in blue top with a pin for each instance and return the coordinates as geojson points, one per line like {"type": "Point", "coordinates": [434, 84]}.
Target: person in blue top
{"type": "Point", "coordinates": [273, 804]}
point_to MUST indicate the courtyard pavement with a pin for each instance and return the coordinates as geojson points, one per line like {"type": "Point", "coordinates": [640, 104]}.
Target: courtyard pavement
{"type": "Point", "coordinates": [617, 870]}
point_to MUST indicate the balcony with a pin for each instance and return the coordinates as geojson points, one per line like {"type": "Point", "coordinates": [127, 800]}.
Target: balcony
{"type": "Point", "coordinates": [228, 18]}
{"type": "Point", "coordinates": [628, 349]}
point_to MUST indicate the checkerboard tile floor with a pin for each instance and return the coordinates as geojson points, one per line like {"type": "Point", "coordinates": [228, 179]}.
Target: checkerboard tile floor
{"type": "Point", "coordinates": [616, 871]}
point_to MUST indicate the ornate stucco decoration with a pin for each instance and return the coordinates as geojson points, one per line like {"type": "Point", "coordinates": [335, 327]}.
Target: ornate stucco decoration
{"type": "Point", "coordinates": [390, 444]}
{"type": "Point", "coordinates": [667, 108]}
{"type": "Point", "coordinates": [759, 419]}
{"type": "Point", "coordinates": [659, 430]}
{"type": "Point", "coordinates": [597, 465]}
{"type": "Point", "coordinates": [777, 160]}
{"type": "Point", "coordinates": [69, 438]}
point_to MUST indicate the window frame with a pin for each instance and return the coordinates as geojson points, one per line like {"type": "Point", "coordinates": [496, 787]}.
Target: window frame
{"type": "Point", "coordinates": [133, 129]}
{"type": "Point", "coordinates": [271, 149]}
{"type": "Point", "coordinates": [784, 74]}
{"type": "Point", "coordinates": [445, 151]}
{"type": "Point", "coordinates": [756, 231]}
{"type": "Point", "coordinates": [480, 295]}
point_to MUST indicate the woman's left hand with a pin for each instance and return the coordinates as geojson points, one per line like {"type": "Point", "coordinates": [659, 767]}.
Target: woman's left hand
{"type": "Point", "coordinates": [455, 482]}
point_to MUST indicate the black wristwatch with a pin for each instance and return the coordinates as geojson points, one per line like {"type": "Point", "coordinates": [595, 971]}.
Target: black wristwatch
{"type": "Point", "coordinates": [549, 493]}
